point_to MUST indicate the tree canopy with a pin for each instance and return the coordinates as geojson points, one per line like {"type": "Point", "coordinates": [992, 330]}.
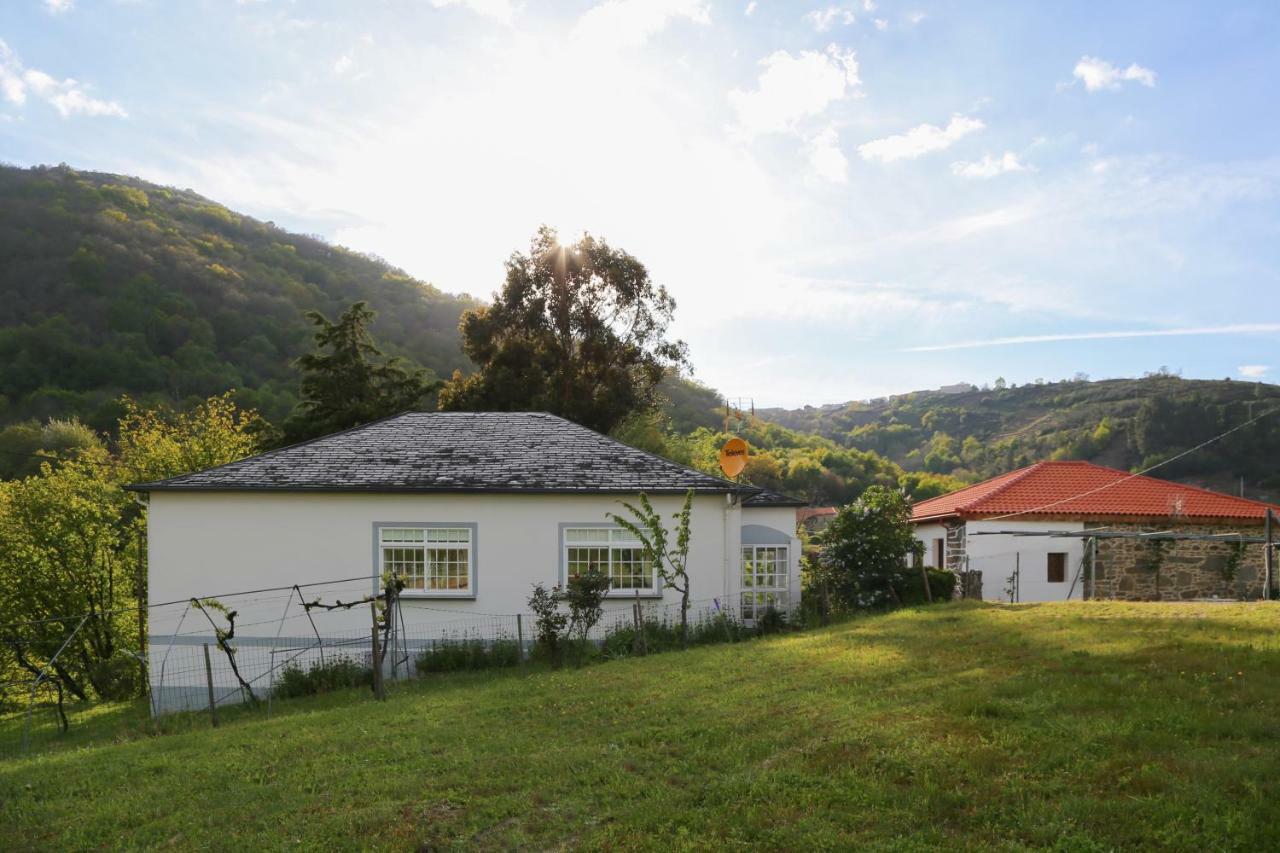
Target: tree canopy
{"type": "Point", "coordinates": [74, 545]}
{"type": "Point", "coordinates": [347, 381]}
{"type": "Point", "coordinates": [867, 550]}
{"type": "Point", "coordinates": [578, 329]}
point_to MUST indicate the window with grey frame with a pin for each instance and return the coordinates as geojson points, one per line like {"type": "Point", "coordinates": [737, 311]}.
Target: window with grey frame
{"type": "Point", "coordinates": [765, 579]}
{"type": "Point", "coordinates": [430, 560]}
{"type": "Point", "coordinates": [613, 551]}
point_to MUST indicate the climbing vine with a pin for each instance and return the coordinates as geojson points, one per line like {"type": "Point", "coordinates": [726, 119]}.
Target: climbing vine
{"type": "Point", "coordinates": [224, 636]}
{"type": "Point", "coordinates": [1234, 557]}
{"type": "Point", "coordinates": [1155, 555]}
{"type": "Point", "coordinates": [384, 604]}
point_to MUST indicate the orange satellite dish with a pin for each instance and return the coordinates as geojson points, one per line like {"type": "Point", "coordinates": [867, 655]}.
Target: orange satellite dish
{"type": "Point", "coordinates": [733, 457]}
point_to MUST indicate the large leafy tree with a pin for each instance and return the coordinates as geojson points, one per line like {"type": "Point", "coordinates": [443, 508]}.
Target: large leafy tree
{"type": "Point", "coordinates": [347, 381]}
{"type": "Point", "coordinates": [72, 565]}
{"type": "Point", "coordinates": [868, 550]}
{"type": "Point", "coordinates": [579, 330]}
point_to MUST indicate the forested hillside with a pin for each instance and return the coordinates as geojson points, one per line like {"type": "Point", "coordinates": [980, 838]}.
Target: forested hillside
{"type": "Point", "coordinates": [114, 285]}
{"type": "Point", "coordinates": [1125, 423]}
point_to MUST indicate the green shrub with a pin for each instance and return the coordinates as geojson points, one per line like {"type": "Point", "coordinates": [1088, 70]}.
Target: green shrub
{"type": "Point", "coordinates": [721, 628]}
{"type": "Point", "coordinates": [659, 636]}
{"type": "Point", "coordinates": [453, 655]}
{"type": "Point", "coordinates": [941, 584]}
{"type": "Point", "coordinates": [773, 622]}
{"type": "Point", "coordinates": [335, 673]}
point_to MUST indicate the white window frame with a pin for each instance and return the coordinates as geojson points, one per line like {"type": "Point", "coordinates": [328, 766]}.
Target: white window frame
{"type": "Point", "coordinates": [755, 598]}
{"type": "Point", "coordinates": [610, 539]}
{"type": "Point", "coordinates": [431, 537]}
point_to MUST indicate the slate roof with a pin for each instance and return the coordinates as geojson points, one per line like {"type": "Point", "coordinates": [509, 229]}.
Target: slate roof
{"type": "Point", "coordinates": [770, 498]}
{"type": "Point", "coordinates": [455, 452]}
{"type": "Point", "coordinates": [1088, 491]}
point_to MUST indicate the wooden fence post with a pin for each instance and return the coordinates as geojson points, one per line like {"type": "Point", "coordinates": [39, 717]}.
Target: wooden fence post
{"type": "Point", "coordinates": [520, 638]}
{"type": "Point", "coordinates": [208, 677]}
{"type": "Point", "coordinates": [378, 692]}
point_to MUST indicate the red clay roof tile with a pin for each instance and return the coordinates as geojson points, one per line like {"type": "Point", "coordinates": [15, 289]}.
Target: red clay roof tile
{"type": "Point", "coordinates": [1085, 490]}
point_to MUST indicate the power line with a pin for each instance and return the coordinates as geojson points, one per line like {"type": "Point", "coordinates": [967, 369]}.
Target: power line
{"type": "Point", "coordinates": [134, 608]}
{"type": "Point", "coordinates": [1141, 473]}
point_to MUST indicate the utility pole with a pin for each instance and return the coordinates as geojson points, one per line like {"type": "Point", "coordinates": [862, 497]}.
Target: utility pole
{"type": "Point", "coordinates": [1269, 557]}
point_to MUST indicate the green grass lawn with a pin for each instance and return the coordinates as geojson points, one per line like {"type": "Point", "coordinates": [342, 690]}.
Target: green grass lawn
{"type": "Point", "coordinates": [1074, 726]}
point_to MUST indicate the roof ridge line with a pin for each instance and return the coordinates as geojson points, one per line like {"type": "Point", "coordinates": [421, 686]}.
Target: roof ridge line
{"type": "Point", "coordinates": [663, 459]}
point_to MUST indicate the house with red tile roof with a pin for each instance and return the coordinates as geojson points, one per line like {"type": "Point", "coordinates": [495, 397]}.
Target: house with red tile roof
{"type": "Point", "coordinates": [993, 533]}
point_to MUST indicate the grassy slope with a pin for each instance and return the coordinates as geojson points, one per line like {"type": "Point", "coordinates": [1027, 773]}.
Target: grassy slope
{"type": "Point", "coordinates": [1083, 726]}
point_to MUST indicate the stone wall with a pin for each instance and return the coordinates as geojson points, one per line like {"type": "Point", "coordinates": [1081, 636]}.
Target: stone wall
{"type": "Point", "coordinates": [1176, 570]}
{"type": "Point", "coordinates": [968, 584]}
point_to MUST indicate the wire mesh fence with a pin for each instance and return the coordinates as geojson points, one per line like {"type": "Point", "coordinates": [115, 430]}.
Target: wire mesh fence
{"type": "Point", "coordinates": [188, 667]}
{"type": "Point", "coordinates": [265, 646]}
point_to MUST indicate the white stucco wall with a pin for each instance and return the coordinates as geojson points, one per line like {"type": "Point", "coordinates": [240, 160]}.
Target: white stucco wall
{"type": "Point", "coordinates": [213, 543]}
{"type": "Point", "coordinates": [204, 544]}
{"type": "Point", "coordinates": [927, 533]}
{"type": "Point", "coordinates": [997, 556]}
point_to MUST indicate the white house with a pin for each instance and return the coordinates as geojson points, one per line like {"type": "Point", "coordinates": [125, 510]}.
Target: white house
{"type": "Point", "coordinates": [1061, 530]}
{"type": "Point", "coordinates": [472, 509]}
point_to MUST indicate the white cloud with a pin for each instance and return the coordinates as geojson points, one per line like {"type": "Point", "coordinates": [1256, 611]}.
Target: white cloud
{"type": "Point", "coordinates": [630, 23]}
{"type": "Point", "coordinates": [826, 158]}
{"type": "Point", "coordinates": [793, 88]}
{"type": "Point", "coordinates": [868, 5]}
{"type": "Point", "coordinates": [920, 140]}
{"type": "Point", "coordinates": [502, 11]}
{"type": "Point", "coordinates": [58, 7]}
{"type": "Point", "coordinates": [824, 19]}
{"type": "Point", "coordinates": [1253, 371]}
{"type": "Point", "coordinates": [344, 64]}
{"type": "Point", "coordinates": [989, 167]}
{"type": "Point", "coordinates": [66, 96]}
{"type": "Point", "coordinates": [751, 9]}
{"type": "Point", "coordinates": [916, 17]}
{"type": "Point", "coordinates": [11, 85]}
{"type": "Point", "coordinates": [1235, 329]}
{"type": "Point", "coordinates": [1098, 74]}
{"type": "Point", "coordinates": [881, 24]}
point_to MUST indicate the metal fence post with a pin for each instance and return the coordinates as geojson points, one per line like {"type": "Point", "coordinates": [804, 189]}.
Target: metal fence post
{"type": "Point", "coordinates": [208, 677]}
{"type": "Point", "coordinates": [520, 638]}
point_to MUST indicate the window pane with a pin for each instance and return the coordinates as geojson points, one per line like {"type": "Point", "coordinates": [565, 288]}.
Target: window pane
{"type": "Point", "coordinates": [581, 560]}
{"type": "Point", "coordinates": [401, 534]}
{"type": "Point", "coordinates": [586, 534]}
{"type": "Point", "coordinates": [628, 569]}
{"type": "Point", "coordinates": [405, 562]}
{"type": "Point", "coordinates": [764, 579]}
{"type": "Point", "coordinates": [448, 569]}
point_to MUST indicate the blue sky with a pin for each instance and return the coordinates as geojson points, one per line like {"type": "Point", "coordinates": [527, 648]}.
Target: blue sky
{"type": "Point", "coordinates": [847, 200]}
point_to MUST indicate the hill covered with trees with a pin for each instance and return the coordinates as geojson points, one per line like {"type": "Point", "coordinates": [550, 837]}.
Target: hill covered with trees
{"type": "Point", "coordinates": [1124, 423]}
{"type": "Point", "coordinates": [114, 285]}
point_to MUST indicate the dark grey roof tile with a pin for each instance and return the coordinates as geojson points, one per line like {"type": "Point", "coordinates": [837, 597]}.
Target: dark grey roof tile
{"type": "Point", "coordinates": [455, 451]}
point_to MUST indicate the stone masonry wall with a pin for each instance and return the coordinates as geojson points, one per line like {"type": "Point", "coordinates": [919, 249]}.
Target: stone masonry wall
{"type": "Point", "coordinates": [1187, 569]}
{"type": "Point", "coordinates": [968, 584]}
